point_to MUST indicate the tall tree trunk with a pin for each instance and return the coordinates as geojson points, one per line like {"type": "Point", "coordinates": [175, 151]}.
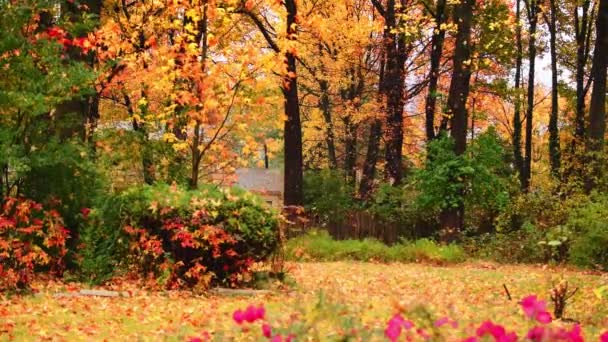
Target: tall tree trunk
{"type": "Point", "coordinates": [453, 217]}
{"type": "Point", "coordinates": [517, 122]}
{"type": "Point", "coordinates": [581, 27]}
{"type": "Point", "coordinates": [597, 109]}
{"type": "Point", "coordinates": [293, 182]}
{"type": "Point", "coordinates": [436, 51]}
{"type": "Point", "coordinates": [197, 153]}
{"type": "Point", "coordinates": [394, 82]}
{"type": "Point", "coordinates": [532, 9]}
{"type": "Point", "coordinates": [375, 130]}
{"type": "Point", "coordinates": [554, 145]}
{"type": "Point", "coordinates": [350, 150]}
{"type": "Point", "coordinates": [86, 107]}
{"type": "Point", "coordinates": [371, 158]}
{"type": "Point", "coordinates": [325, 106]}
{"type": "Point", "coordinates": [352, 96]}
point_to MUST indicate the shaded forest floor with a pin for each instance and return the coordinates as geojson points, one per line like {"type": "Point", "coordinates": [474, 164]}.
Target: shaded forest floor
{"type": "Point", "coordinates": [469, 293]}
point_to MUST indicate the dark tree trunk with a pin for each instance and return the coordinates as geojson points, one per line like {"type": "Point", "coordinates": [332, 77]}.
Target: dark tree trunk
{"type": "Point", "coordinates": [436, 51]}
{"type": "Point", "coordinates": [87, 107]}
{"type": "Point", "coordinates": [582, 27]}
{"type": "Point", "coordinates": [394, 82]}
{"type": "Point", "coordinates": [554, 144]}
{"type": "Point", "coordinates": [452, 218]}
{"type": "Point", "coordinates": [293, 180]}
{"type": "Point", "coordinates": [369, 166]}
{"type": "Point", "coordinates": [353, 96]}
{"type": "Point", "coordinates": [517, 156]}
{"type": "Point", "coordinates": [532, 9]}
{"type": "Point", "coordinates": [350, 151]}
{"type": "Point", "coordinates": [325, 107]}
{"type": "Point", "coordinates": [597, 108]}
{"type": "Point", "coordinates": [293, 192]}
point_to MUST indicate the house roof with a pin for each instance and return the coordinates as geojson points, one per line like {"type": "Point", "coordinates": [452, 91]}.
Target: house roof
{"type": "Point", "coordinates": [261, 180]}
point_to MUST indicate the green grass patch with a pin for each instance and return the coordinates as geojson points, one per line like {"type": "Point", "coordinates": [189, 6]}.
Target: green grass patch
{"type": "Point", "coordinates": [318, 245]}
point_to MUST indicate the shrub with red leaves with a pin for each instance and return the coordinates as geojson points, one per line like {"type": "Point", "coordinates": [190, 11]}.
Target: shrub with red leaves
{"type": "Point", "coordinates": [31, 239]}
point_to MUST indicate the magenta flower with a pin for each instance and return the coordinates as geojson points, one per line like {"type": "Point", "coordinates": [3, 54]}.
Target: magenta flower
{"type": "Point", "coordinates": [445, 320]}
{"type": "Point", "coordinates": [497, 331]}
{"type": "Point", "coordinates": [536, 309]}
{"type": "Point", "coordinates": [536, 334]}
{"type": "Point", "coordinates": [251, 314]}
{"type": "Point", "coordinates": [279, 338]}
{"type": "Point", "coordinates": [604, 337]}
{"type": "Point", "coordinates": [392, 332]}
{"type": "Point", "coordinates": [266, 330]}
{"type": "Point", "coordinates": [489, 328]}
{"type": "Point", "coordinates": [575, 335]}
{"type": "Point", "coordinates": [395, 325]}
{"type": "Point", "coordinates": [238, 316]}
{"type": "Point", "coordinates": [544, 317]}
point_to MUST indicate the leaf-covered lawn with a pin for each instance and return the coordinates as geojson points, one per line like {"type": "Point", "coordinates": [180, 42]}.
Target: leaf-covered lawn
{"type": "Point", "coordinates": [469, 293]}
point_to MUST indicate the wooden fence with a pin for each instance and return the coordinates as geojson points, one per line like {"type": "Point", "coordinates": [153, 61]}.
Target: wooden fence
{"type": "Point", "coordinates": [354, 225]}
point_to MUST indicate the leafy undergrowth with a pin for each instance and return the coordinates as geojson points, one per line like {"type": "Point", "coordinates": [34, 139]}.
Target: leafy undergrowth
{"type": "Point", "coordinates": [318, 245]}
{"type": "Point", "coordinates": [334, 298]}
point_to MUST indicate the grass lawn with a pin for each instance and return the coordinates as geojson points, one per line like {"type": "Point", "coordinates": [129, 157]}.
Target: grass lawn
{"type": "Point", "coordinates": [468, 293]}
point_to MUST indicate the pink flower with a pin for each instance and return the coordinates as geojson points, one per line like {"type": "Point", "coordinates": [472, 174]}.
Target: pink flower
{"type": "Point", "coordinates": [489, 328]}
{"type": "Point", "coordinates": [445, 320]}
{"type": "Point", "coordinates": [544, 317]}
{"type": "Point", "coordinates": [536, 334]}
{"type": "Point", "coordinates": [536, 309]}
{"type": "Point", "coordinates": [392, 332]}
{"type": "Point", "coordinates": [604, 337]}
{"type": "Point", "coordinates": [266, 330]}
{"type": "Point", "coordinates": [575, 335]}
{"type": "Point", "coordinates": [394, 326]}
{"type": "Point", "coordinates": [441, 322]}
{"type": "Point", "coordinates": [251, 314]}
{"type": "Point", "coordinates": [497, 331]}
{"type": "Point", "coordinates": [470, 339]}
{"type": "Point", "coordinates": [279, 338]}
{"type": "Point", "coordinates": [238, 316]}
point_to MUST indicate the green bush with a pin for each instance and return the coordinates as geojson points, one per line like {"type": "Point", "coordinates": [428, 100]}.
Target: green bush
{"type": "Point", "coordinates": [519, 246]}
{"type": "Point", "coordinates": [398, 206]}
{"type": "Point", "coordinates": [481, 179]}
{"type": "Point", "coordinates": [327, 196]}
{"type": "Point", "coordinates": [590, 230]}
{"type": "Point", "coordinates": [317, 245]}
{"type": "Point", "coordinates": [181, 237]}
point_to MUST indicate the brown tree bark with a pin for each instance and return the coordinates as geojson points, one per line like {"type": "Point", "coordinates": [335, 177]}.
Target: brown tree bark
{"type": "Point", "coordinates": [325, 106]}
{"type": "Point", "coordinates": [293, 178]}
{"type": "Point", "coordinates": [292, 131]}
{"type": "Point", "coordinates": [392, 87]}
{"type": "Point", "coordinates": [582, 31]}
{"type": "Point", "coordinates": [452, 218]}
{"type": "Point", "coordinates": [436, 51]}
{"type": "Point", "coordinates": [597, 108]}
{"type": "Point", "coordinates": [554, 143]}
{"type": "Point", "coordinates": [532, 9]}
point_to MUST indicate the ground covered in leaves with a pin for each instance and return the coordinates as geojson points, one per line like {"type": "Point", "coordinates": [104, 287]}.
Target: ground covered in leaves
{"type": "Point", "coordinates": [325, 295]}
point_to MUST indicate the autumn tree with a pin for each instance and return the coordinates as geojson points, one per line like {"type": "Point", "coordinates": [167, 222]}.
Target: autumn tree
{"type": "Point", "coordinates": [532, 12]}
{"type": "Point", "coordinates": [453, 216]}
{"type": "Point", "coordinates": [437, 39]}
{"type": "Point", "coordinates": [597, 108]}
{"type": "Point", "coordinates": [293, 182]}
